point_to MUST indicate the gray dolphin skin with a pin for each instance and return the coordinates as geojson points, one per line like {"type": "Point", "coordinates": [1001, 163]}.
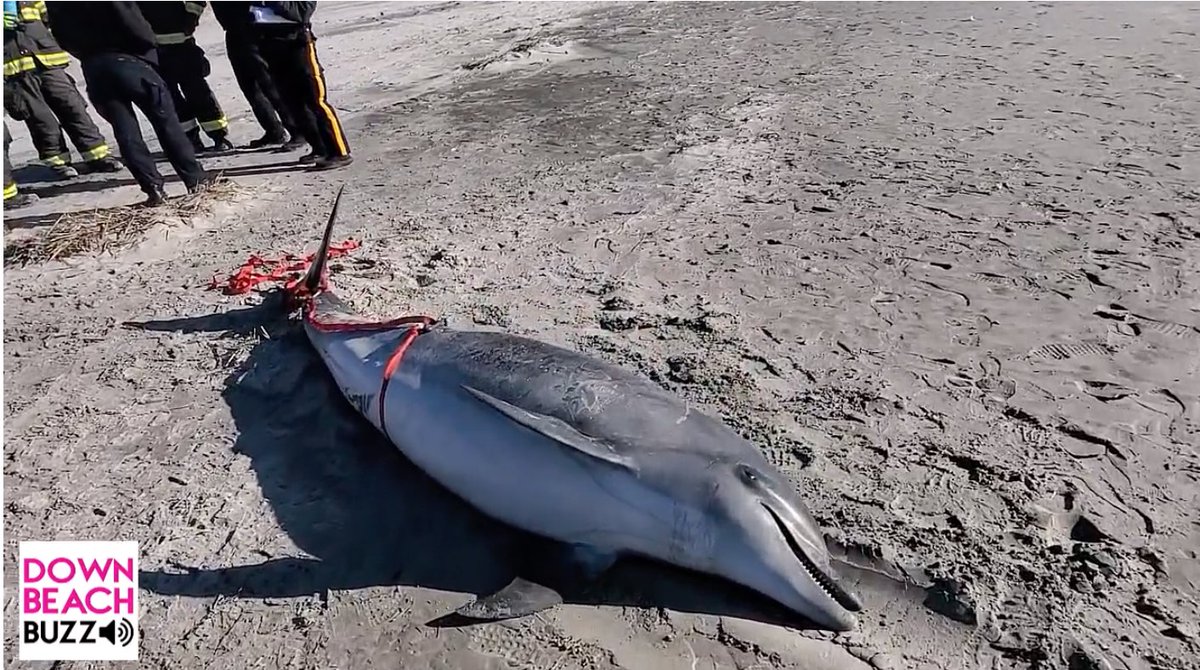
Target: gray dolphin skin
{"type": "Point", "coordinates": [577, 450]}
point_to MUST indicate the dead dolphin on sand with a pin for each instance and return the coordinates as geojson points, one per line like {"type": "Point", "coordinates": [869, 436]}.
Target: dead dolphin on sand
{"type": "Point", "coordinates": [574, 449]}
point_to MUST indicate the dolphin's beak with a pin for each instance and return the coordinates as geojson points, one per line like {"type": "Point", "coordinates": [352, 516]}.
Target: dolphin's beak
{"type": "Point", "coordinates": [839, 603]}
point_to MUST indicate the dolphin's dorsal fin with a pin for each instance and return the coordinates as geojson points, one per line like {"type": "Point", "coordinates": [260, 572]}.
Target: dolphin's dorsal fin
{"type": "Point", "coordinates": [554, 429]}
{"type": "Point", "coordinates": [313, 279]}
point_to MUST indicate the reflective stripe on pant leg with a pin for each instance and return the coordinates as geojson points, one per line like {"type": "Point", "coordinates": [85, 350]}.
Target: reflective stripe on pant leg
{"type": "Point", "coordinates": [338, 138]}
{"type": "Point", "coordinates": [189, 125]}
{"type": "Point", "coordinates": [218, 124]}
{"type": "Point", "coordinates": [96, 153]}
{"type": "Point", "coordinates": [10, 190]}
{"type": "Point", "coordinates": [57, 161]}
{"type": "Point", "coordinates": [19, 65]}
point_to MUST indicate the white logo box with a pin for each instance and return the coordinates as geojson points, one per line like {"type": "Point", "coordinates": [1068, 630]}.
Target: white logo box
{"type": "Point", "coordinates": [78, 601]}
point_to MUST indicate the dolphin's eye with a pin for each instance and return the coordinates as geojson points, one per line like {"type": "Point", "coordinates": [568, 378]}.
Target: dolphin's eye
{"type": "Point", "coordinates": [748, 474]}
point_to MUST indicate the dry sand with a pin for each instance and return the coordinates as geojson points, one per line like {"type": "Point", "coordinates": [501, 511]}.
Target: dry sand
{"type": "Point", "coordinates": [938, 260]}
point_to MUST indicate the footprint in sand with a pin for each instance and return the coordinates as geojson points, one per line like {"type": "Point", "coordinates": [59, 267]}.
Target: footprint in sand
{"type": "Point", "coordinates": [1062, 351]}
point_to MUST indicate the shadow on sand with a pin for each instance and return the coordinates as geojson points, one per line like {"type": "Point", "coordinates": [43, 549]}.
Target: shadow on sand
{"type": "Point", "coordinates": [347, 497]}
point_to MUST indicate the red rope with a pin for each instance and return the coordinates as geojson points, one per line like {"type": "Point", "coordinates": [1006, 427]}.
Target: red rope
{"type": "Point", "coordinates": [288, 270]}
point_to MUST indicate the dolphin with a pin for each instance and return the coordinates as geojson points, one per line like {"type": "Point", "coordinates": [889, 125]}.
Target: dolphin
{"type": "Point", "coordinates": [574, 449]}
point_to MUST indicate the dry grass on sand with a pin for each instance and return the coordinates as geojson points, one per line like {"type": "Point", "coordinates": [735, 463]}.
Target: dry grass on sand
{"type": "Point", "coordinates": [112, 228]}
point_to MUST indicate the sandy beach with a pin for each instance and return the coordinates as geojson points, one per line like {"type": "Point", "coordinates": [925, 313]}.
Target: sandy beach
{"type": "Point", "coordinates": [939, 261]}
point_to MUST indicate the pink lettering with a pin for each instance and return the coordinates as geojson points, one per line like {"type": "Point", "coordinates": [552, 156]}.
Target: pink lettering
{"type": "Point", "coordinates": [48, 604]}
{"type": "Point", "coordinates": [57, 575]}
{"type": "Point", "coordinates": [92, 568]}
{"type": "Point", "coordinates": [74, 602]}
{"type": "Point", "coordinates": [123, 597]}
{"type": "Point", "coordinates": [33, 601]}
{"type": "Point", "coordinates": [32, 564]}
{"type": "Point", "coordinates": [93, 608]}
{"type": "Point", "coordinates": [123, 569]}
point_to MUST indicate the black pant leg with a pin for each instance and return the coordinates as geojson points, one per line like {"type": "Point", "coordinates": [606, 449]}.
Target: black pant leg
{"type": "Point", "coordinates": [269, 90]}
{"type": "Point", "coordinates": [171, 72]}
{"type": "Point", "coordinates": [109, 90]}
{"type": "Point", "coordinates": [329, 127]}
{"type": "Point", "coordinates": [193, 70]}
{"type": "Point", "coordinates": [282, 56]}
{"type": "Point", "coordinates": [60, 93]}
{"type": "Point", "coordinates": [152, 95]}
{"type": "Point", "coordinates": [44, 128]}
{"type": "Point", "coordinates": [205, 106]}
{"type": "Point", "coordinates": [242, 59]}
{"type": "Point", "coordinates": [10, 184]}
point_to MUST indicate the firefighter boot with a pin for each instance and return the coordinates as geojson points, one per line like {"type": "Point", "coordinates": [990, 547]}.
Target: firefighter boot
{"type": "Point", "coordinates": [197, 143]}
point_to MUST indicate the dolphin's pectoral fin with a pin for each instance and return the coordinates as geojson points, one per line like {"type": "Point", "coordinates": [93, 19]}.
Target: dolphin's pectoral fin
{"type": "Point", "coordinates": [548, 568]}
{"type": "Point", "coordinates": [554, 429]}
{"type": "Point", "coordinates": [520, 598]}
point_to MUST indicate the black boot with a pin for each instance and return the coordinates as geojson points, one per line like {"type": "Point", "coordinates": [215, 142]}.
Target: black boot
{"type": "Point", "coordinates": [268, 140]}
{"type": "Point", "coordinates": [106, 164]}
{"type": "Point", "coordinates": [333, 162]}
{"type": "Point", "coordinates": [206, 181]}
{"type": "Point", "coordinates": [20, 200]}
{"type": "Point", "coordinates": [155, 197]}
{"type": "Point", "coordinates": [221, 143]}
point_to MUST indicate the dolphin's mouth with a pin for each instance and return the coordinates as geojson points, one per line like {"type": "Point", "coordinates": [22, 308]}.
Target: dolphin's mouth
{"type": "Point", "coordinates": [828, 585]}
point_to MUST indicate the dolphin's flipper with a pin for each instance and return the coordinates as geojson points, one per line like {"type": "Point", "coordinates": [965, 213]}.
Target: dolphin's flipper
{"type": "Point", "coordinates": [546, 563]}
{"type": "Point", "coordinates": [554, 429]}
{"type": "Point", "coordinates": [520, 598]}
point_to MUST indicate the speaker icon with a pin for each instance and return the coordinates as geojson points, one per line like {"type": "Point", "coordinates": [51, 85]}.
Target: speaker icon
{"type": "Point", "coordinates": [117, 632]}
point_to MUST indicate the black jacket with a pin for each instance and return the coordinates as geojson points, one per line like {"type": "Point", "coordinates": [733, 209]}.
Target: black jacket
{"type": "Point", "coordinates": [91, 28]}
{"type": "Point", "coordinates": [168, 19]}
{"type": "Point", "coordinates": [300, 12]}
{"type": "Point", "coordinates": [234, 17]}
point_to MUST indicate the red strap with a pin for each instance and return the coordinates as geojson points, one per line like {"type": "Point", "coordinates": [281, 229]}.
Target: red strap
{"type": "Point", "coordinates": [392, 364]}
{"type": "Point", "coordinates": [289, 269]}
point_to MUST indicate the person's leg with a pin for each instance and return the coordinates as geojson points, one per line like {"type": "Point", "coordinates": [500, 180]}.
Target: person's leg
{"type": "Point", "coordinates": [13, 197]}
{"type": "Point", "coordinates": [242, 60]}
{"type": "Point", "coordinates": [68, 105]}
{"type": "Point", "coordinates": [43, 125]}
{"type": "Point", "coordinates": [170, 71]}
{"type": "Point", "coordinates": [282, 56]}
{"type": "Point", "coordinates": [208, 111]}
{"type": "Point", "coordinates": [329, 127]}
{"type": "Point", "coordinates": [194, 69]}
{"type": "Point", "coordinates": [153, 97]}
{"type": "Point", "coordinates": [109, 90]}
{"type": "Point", "coordinates": [266, 84]}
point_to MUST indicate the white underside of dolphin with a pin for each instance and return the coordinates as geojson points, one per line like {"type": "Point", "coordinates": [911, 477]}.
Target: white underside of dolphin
{"type": "Point", "coordinates": [576, 450]}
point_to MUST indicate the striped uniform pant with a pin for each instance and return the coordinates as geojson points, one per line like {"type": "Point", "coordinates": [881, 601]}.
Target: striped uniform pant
{"type": "Point", "coordinates": [301, 82]}
{"type": "Point", "coordinates": [47, 100]}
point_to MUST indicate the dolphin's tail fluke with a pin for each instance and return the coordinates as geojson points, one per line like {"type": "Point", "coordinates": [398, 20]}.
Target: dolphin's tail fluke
{"type": "Point", "coordinates": [314, 280]}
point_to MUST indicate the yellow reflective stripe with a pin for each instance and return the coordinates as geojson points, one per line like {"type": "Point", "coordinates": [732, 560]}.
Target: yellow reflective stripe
{"type": "Point", "coordinates": [96, 152]}
{"type": "Point", "coordinates": [56, 161]}
{"type": "Point", "coordinates": [10, 190]}
{"type": "Point", "coordinates": [189, 125]}
{"type": "Point", "coordinates": [53, 59]}
{"type": "Point", "coordinates": [172, 38]}
{"type": "Point", "coordinates": [196, 8]}
{"type": "Point", "coordinates": [217, 124]}
{"type": "Point", "coordinates": [19, 65]}
{"type": "Point", "coordinates": [30, 14]}
{"type": "Point", "coordinates": [10, 20]}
